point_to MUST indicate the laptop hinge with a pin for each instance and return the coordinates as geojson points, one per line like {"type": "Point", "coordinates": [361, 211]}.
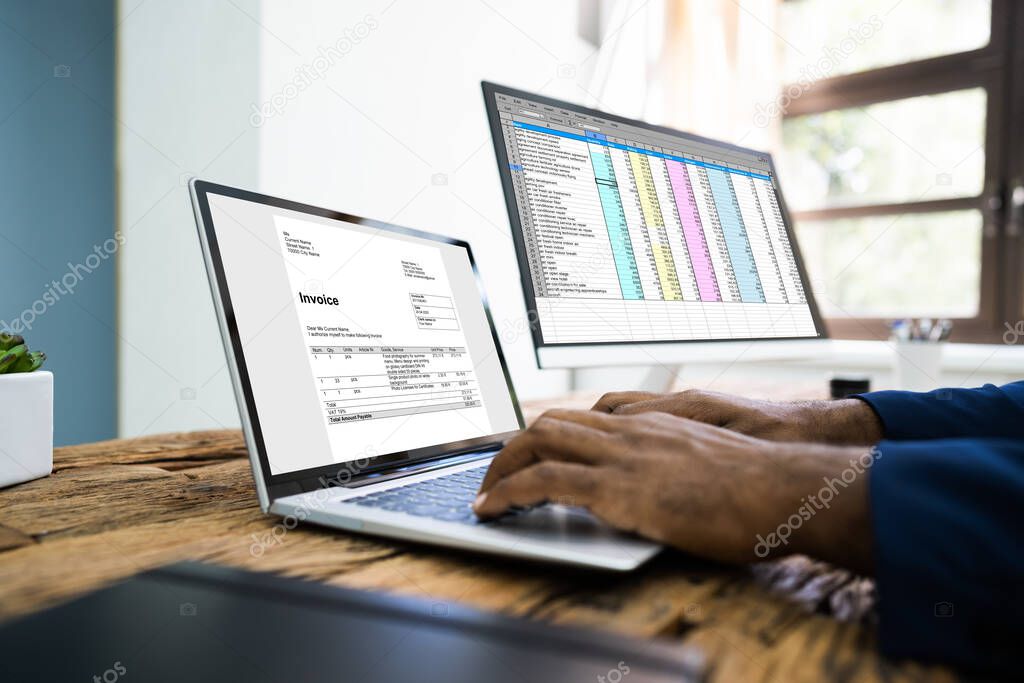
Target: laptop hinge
{"type": "Point", "coordinates": [448, 460]}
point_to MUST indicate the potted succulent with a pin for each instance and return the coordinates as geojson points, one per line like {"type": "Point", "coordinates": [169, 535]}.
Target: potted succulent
{"type": "Point", "coordinates": [26, 412]}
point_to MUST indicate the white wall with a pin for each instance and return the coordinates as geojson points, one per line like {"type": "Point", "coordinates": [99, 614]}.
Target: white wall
{"type": "Point", "coordinates": [403, 105]}
{"type": "Point", "coordinates": [190, 74]}
{"type": "Point", "coordinates": [187, 74]}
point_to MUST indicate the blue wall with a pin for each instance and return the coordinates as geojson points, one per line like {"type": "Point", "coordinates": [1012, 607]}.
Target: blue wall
{"type": "Point", "coordinates": [57, 201]}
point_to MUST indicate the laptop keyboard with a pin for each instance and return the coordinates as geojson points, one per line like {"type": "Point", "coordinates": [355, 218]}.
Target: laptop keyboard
{"type": "Point", "coordinates": [448, 498]}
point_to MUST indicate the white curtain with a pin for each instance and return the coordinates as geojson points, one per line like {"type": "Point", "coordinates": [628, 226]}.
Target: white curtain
{"type": "Point", "coordinates": [704, 66]}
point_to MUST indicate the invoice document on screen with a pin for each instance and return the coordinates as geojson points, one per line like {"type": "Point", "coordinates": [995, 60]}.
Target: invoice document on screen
{"type": "Point", "coordinates": [391, 365]}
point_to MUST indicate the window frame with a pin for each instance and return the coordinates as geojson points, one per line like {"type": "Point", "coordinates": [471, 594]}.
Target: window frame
{"type": "Point", "coordinates": [998, 68]}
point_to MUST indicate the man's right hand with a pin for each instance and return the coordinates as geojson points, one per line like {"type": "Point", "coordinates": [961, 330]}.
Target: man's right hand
{"type": "Point", "coordinates": [845, 422]}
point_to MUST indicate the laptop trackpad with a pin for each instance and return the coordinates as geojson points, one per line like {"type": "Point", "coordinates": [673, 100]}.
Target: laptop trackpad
{"type": "Point", "coordinates": [560, 523]}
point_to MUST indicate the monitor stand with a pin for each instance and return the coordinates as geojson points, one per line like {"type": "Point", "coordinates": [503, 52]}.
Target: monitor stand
{"type": "Point", "coordinates": [659, 378]}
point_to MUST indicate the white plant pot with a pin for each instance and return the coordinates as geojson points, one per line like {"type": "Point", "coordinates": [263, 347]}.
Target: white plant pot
{"type": "Point", "coordinates": [26, 426]}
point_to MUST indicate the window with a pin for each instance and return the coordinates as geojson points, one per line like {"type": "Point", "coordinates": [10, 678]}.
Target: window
{"type": "Point", "coordinates": [901, 160]}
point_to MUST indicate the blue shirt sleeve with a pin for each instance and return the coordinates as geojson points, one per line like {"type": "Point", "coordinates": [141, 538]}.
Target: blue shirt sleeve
{"type": "Point", "coordinates": [989, 411]}
{"type": "Point", "coordinates": [949, 554]}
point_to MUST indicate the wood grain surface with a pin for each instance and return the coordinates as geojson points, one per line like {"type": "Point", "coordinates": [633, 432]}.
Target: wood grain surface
{"type": "Point", "coordinates": [115, 508]}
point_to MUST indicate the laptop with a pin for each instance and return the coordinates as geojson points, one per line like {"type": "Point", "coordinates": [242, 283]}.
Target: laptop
{"type": "Point", "coordinates": [371, 386]}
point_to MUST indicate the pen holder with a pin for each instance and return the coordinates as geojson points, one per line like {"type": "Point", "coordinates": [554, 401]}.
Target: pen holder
{"type": "Point", "coordinates": [917, 365]}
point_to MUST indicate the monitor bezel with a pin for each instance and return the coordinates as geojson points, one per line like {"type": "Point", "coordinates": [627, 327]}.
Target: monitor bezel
{"type": "Point", "coordinates": [497, 137]}
{"type": "Point", "coordinates": [287, 483]}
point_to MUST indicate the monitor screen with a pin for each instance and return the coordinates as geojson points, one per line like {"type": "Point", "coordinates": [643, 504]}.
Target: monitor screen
{"type": "Point", "coordinates": [358, 340]}
{"type": "Point", "coordinates": [628, 233]}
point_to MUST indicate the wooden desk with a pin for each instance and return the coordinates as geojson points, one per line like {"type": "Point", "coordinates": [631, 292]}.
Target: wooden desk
{"type": "Point", "coordinates": [115, 508]}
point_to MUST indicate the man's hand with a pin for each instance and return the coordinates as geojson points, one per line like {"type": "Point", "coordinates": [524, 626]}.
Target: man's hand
{"type": "Point", "coordinates": [703, 489]}
{"type": "Point", "coordinates": [849, 422]}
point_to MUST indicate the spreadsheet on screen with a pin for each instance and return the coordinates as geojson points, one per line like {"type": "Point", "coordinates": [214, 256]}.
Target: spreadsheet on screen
{"type": "Point", "coordinates": [634, 234]}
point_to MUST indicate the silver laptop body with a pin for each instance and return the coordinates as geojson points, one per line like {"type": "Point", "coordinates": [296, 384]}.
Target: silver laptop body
{"type": "Point", "coordinates": [370, 381]}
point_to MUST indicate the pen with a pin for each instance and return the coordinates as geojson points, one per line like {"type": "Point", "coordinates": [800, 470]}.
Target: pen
{"type": "Point", "coordinates": [900, 330]}
{"type": "Point", "coordinates": [921, 329]}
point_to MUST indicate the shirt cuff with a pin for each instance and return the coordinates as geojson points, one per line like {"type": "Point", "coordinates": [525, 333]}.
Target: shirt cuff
{"type": "Point", "coordinates": [944, 526]}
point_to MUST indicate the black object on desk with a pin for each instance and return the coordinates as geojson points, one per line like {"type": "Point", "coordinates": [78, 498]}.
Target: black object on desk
{"type": "Point", "coordinates": [198, 622]}
{"type": "Point", "coordinates": [843, 386]}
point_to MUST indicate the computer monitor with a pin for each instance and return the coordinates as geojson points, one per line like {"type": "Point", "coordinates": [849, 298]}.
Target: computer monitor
{"type": "Point", "coordinates": [639, 244]}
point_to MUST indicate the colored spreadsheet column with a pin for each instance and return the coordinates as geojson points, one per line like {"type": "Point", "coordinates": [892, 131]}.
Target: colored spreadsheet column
{"type": "Point", "coordinates": [615, 219]}
{"type": "Point", "coordinates": [693, 233]}
{"type": "Point", "coordinates": [649, 205]}
{"type": "Point", "coordinates": [740, 254]}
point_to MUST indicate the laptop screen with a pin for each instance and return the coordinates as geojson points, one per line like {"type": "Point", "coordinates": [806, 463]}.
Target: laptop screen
{"type": "Point", "coordinates": [360, 340]}
{"type": "Point", "coordinates": [630, 233]}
